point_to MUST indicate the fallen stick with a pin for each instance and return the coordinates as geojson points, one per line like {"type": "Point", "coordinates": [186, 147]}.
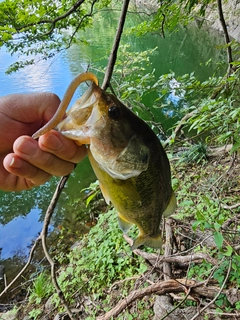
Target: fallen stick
{"type": "Point", "coordinates": [161, 288]}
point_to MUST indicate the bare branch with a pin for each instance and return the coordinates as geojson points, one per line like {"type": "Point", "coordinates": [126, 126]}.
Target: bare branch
{"type": "Point", "coordinates": [225, 31]}
{"type": "Point", "coordinates": [79, 25]}
{"type": "Point", "coordinates": [181, 259]}
{"type": "Point", "coordinates": [217, 295]}
{"type": "Point", "coordinates": [167, 272]}
{"type": "Point", "coordinates": [161, 288]}
{"type": "Point", "coordinates": [43, 235]}
{"type": "Point", "coordinates": [113, 55]}
{"type": "Point", "coordinates": [24, 268]}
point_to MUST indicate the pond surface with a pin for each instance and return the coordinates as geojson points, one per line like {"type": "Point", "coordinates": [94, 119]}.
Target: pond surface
{"type": "Point", "coordinates": [22, 214]}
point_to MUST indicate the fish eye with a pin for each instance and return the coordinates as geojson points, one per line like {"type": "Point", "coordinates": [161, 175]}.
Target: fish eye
{"type": "Point", "coordinates": [114, 112]}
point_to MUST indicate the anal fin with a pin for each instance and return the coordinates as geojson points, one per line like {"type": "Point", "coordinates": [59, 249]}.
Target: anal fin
{"type": "Point", "coordinates": [152, 242]}
{"type": "Point", "coordinates": [124, 224]}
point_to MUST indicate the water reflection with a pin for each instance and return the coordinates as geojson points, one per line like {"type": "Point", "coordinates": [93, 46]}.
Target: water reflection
{"type": "Point", "coordinates": [17, 235]}
{"type": "Point", "coordinates": [53, 75]}
{"type": "Point", "coordinates": [22, 214]}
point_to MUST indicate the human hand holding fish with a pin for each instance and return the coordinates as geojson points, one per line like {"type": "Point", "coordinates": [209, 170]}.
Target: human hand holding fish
{"type": "Point", "coordinates": [127, 157]}
{"type": "Point", "coordinates": [24, 162]}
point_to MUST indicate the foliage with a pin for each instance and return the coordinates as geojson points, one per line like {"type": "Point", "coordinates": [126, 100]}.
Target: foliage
{"type": "Point", "coordinates": [194, 153]}
{"type": "Point", "coordinates": [40, 29]}
{"type": "Point", "coordinates": [217, 118]}
{"type": "Point", "coordinates": [92, 191]}
{"type": "Point", "coordinates": [105, 256]}
{"type": "Point", "coordinates": [213, 103]}
{"type": "Point", "coordinates": [35, 313]}
{"type": "Point", "coordinates": [101, 258]}
{"type": "Point", "coordinates": [41, 288]}
{"type": "Point", "coordinates": [203, 193]}
{"type": "Point", "coordinates": [214, 106]}
{"type": "Point", "coordinates": [168, 16]}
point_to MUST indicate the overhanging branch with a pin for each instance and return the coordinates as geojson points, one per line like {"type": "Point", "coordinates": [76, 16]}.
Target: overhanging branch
{"type": "Point", "coordinates": [113, 55]}
{"type": "Point", "coordinates": [225, 31]}
{"type": "Point", "coordinates": [53, 22]}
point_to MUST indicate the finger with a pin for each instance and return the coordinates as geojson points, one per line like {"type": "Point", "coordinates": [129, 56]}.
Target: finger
{"type": "Point", "coordinates": [28, 149]}
{"type": "Point", "coordinates": [66, 149]}
{"type": "Point", "coordinates": [21, 168]}
{"type": "Point", "coordinates": [26, 113]}
{"type": "Point", "coordinates": [30, 107]}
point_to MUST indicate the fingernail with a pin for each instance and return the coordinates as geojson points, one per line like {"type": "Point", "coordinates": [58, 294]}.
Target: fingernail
{"type": "Point", "coordinates": [15, 163]}
{"type": "Point", "coordinates": [52, 142]}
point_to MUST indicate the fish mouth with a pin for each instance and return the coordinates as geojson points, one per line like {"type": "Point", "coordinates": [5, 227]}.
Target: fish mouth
{"type": "Point", "coordinates": [82, 116]}
{"type": "Point", "coordinates": [120, 154]}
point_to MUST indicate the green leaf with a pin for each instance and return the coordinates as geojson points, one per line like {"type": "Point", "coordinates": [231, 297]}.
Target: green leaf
{"type": "Point", "coordinates": [89, 199]}
{"type": "Point", "coordinates": [218, 238]}
{"type": "Point", "coordinates": [235, 147]}
{"type": "Point", "coordinates": [228, 252]}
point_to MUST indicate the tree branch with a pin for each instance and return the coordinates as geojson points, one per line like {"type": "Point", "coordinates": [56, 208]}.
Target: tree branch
{"type": "Point", "coordinates": [180, 259]}
{"type": "Point", "coordinates": [43, 237]}
{"type": "Point", "coordinates": [113, 55]}
{"type": "Point", "coordinates": [24, 268]}
{"type": "Point", "coordinates": [226, 35]}
{"type": "Point", "coordinates": [167, 271]}
{"type": "Point", "coordinates": [53, 22]}
{"type": "Point", "coordinates": [161, 288]}
{"type": "Point", "coordinates": [217, 295]}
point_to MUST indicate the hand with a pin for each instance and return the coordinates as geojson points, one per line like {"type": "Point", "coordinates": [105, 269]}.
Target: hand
{"type": "Point", "coordinates": [25, 162]}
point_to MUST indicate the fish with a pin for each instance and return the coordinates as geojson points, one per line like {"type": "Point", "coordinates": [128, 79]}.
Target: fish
{"type": "Point", "coordinates": [126, 155]}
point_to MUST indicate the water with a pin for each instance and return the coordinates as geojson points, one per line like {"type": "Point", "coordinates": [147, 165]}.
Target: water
{"type": "Point", "coordinates": [22, 214]}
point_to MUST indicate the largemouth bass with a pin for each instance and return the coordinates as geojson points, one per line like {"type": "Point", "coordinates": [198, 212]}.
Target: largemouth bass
{"type": "Point", "coordinates": [127, 157]}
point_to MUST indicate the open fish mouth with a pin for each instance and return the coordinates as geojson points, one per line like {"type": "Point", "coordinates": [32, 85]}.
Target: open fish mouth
{"type": "Point", "coordinates": [83, 116]}
{"type": "Point", "coordinates": [114, 146]}
{"type": "Point", "coordinates": [85, 101]}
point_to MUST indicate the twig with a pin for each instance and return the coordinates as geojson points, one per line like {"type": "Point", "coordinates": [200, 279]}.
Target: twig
{"type": "Point", "coordinates": [167, 272]}
{"type": "Point", "coordinates": [179, 127]}
{"type": "Point", "coordinates": [122, 281]}
{"type": "Point", "coordinates": [179, 259]}
{"type": "Point", "coordinates": [237, 315]}
{"type": "Point", "coordinates": [225, 31]}
{"type": "Point", "coordinates": [43, 236]}
{"type": "Point", "coordinates": [217, 295]}
{"type": "Point", "coordinates": [161, 288]}
{"type": "Point", "coordinates": [178, 305]}
{"type": "Point", "coordinates": [113, 55]}
{"type": "Point", "coordinates": [234, 206]}
{"type": "Point", "coordinates": [24, 268]}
